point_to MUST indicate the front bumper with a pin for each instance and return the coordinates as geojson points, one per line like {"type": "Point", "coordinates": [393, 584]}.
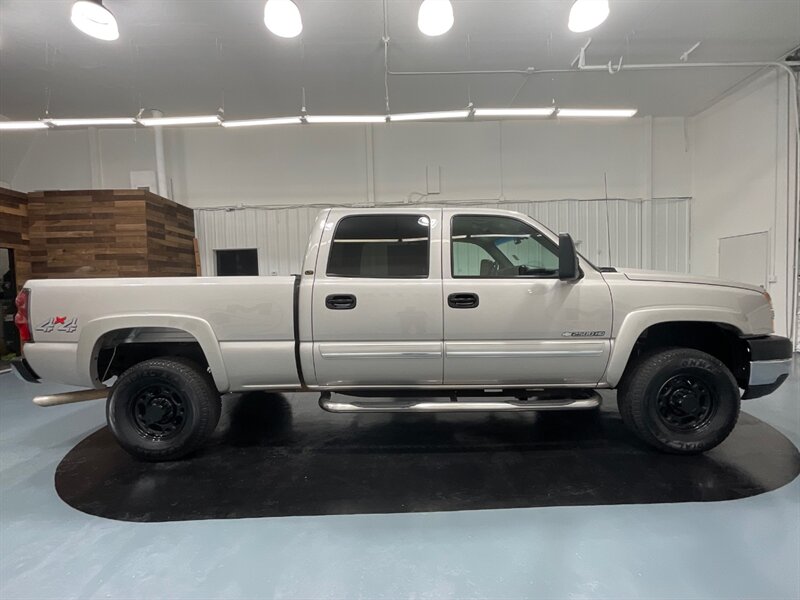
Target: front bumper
{"type": "Point", "coordinates": [24, 371]}
{"type": "Point", "coordinates": [770, 364]}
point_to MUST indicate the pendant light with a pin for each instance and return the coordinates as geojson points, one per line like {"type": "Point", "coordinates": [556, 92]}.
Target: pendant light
{"type": "Point", "coordinates": [94, 19]}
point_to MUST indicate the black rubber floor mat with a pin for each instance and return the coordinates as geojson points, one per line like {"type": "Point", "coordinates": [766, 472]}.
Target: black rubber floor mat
{"type": "Point", "coordinates": [276, 455]}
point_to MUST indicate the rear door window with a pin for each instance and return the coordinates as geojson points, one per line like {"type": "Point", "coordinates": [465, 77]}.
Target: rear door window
{"type": "Point", "coordinates": [380, 246]}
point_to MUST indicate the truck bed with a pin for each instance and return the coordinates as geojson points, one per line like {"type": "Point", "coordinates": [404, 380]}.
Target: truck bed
{"type": "Point", "coordinates": [243, 324]}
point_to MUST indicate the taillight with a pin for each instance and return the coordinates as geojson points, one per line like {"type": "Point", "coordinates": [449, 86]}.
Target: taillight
{"type": "Point", "coordinates": [21, 319]}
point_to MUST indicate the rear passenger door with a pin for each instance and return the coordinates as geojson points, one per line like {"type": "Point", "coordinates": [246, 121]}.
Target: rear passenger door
{"type": "Point", "coordinates": [377, 300]}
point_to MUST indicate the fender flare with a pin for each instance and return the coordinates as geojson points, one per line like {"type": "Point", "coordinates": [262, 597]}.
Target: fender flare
{"type": "Point", "coordinates": [198, 328]}
{"type": "Point", "coordinates": [637, 321]}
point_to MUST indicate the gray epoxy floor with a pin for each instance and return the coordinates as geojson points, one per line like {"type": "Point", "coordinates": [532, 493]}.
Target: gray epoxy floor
{"type": "Point", "coordinates": [738, 549]}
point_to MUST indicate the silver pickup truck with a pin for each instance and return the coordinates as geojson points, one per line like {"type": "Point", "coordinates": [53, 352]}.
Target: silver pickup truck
{"type": "Point", "coordinates": [441, 309]}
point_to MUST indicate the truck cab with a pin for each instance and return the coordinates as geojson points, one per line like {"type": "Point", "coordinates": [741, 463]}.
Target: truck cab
{"type": "Point", "coordinates": [449, 297]}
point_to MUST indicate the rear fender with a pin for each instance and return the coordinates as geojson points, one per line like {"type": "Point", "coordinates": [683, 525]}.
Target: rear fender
{"type": "Point", "coordinates": [92, 332]}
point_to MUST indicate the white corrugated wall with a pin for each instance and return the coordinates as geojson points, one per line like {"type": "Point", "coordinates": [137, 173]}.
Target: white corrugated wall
{"type": "Point", "coordinates": [647, 234]}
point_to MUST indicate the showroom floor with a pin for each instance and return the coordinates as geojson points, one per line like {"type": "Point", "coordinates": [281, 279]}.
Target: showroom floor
{"type": "Point", "coordinates": [746, 548]}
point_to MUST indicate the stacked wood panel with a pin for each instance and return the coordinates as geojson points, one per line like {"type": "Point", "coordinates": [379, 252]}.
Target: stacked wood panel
{"type": "Point", "coordinates": [170, 238]}
{"type": "Point", "coordinates": [14, 231]}
{"type": "Point", "coordinates": [109, 233]}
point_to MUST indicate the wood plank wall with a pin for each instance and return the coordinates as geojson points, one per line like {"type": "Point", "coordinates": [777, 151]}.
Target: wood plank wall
{"type": "Point", "coordinates": [170, 238]}
{"type": "Point", "coordinates": [14, 231]}
{"type": "Point", "coordinates": [109, 233]}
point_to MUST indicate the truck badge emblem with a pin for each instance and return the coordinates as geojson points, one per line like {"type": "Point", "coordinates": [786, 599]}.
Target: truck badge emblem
{"type": "Point", "coordinates": [59, 324]}
{"type": "Point", "coordinates": [583, 334]}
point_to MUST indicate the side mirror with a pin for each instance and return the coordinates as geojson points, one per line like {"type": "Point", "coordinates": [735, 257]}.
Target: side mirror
{"type": "Point", "coordinates": [568, 269]}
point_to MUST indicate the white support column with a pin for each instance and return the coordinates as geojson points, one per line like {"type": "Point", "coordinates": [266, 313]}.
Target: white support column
{"type": "Point", "coordinates": [646, 227]}
{"type": "Point", "coordinates": [161, 166]}
{"type": "Point", "coordinates": [370, 162]}
{"type": "Point", "coordinates": [95, 160]}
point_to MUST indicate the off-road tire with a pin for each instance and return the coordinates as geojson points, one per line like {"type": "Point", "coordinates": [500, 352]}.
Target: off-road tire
{"type": "Point", "coordinates": [175, 388]}
{"type": "Point", "coordinates": [648, 391]}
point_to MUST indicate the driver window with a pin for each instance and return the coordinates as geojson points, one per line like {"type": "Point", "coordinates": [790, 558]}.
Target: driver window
{"type": "Point", "coordinates": [487, 246]}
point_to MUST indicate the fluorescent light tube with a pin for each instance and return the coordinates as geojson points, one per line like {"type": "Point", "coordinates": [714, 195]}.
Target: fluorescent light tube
{"type": "Point", "coordinates": [597, 112]}
{"type": "Point", "coordinates": [205, 120]}
{"type": "Point", "coordinates": [91, 122]}
{"type": "Point", "coordinates": [345, 119]}
{"type": "Point", "coordinates": [430, 116]}
{"type": "Point", "coordinates": [262, 122]}
{"type": "Point", "coordinates": [514, 112]}
{"type": "Point", "coordinates": [20, 125]}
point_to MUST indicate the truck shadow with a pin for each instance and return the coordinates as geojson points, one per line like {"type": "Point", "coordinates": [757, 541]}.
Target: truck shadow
{"type": "Point", "coordinates": [275, 455]}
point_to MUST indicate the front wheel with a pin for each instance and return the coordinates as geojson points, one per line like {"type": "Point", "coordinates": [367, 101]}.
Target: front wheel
{"type": "Point", "coordinates": [163, 409]}
{"type": "Point", "coordinates": [679, 400]}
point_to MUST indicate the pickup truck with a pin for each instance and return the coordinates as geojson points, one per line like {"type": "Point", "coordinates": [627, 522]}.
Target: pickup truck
{"type": "Point", "coordinates": [437, 309]}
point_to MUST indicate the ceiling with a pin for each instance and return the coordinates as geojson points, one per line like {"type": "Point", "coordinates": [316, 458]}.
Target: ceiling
{"type": "Point", "coordinates": [193, 56]}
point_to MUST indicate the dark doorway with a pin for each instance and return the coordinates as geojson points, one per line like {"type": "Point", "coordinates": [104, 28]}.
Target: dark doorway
{"type": "Point", "coordinates": [9, 340]}
{"type": "Point", "coordinates": [237, 262]}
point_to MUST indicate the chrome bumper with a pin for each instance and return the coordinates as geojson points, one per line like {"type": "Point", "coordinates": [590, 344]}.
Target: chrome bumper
{"type": "Point", "coordinates": [766, 372]}
{"type": "Point", "coordinates": [770, 364]}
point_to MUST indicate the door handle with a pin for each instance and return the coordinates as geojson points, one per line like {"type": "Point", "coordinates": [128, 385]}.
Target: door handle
{"type": "Point", "coordinates": [340, 301]}
{"type": "Point", "coordinates": [462, 300]}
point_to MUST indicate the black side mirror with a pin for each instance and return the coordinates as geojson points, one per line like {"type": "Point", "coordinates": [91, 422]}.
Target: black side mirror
{"type": "Point", "coordinates": [568, 268]}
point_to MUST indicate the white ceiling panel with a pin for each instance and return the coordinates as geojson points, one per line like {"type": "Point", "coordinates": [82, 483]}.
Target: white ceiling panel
{"type": "Point", "coordinates": [193, 56]}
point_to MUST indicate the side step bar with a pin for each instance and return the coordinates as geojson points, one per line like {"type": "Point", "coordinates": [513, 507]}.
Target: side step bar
{"type": "Point", "coordinates": [586, 401]}
{"type": "Point", "coordinates": [70, 397]}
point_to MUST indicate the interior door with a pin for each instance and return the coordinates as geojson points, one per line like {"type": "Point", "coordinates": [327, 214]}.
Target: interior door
{"type": "Point", "coordinates": [508, 319]}
{"type": "Point", "coordinates": [377, 300]}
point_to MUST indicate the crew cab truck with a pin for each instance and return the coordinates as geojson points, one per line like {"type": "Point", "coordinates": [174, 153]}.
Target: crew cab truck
{"type": "Point", "coordinates": [442, 309]}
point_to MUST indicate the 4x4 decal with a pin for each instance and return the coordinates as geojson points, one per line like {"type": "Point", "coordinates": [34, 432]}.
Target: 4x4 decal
{"type": "Point", "coordinates": [60, 324]}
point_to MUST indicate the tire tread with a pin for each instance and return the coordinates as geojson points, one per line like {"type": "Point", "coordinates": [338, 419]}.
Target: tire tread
{"type": "Point", "coordinates": [204, 396]}
{"type": "Point", "coordinates": [632, 397]}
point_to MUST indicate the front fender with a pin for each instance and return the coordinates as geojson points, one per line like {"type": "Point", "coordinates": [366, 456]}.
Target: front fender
{"type": "Point", "coordinates": [636, 322]}
{"type": "Point", "coordinates": [92, 332]}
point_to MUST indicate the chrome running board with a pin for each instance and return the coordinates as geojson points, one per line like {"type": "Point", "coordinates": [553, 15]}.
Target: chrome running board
{"type": "Point", "coordinates": [70, 397]}
{"type": "Point", "coordinates": [586, 401]}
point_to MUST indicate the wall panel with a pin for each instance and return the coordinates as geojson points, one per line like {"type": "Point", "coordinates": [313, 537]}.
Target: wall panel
{"type": "Point", "coordinates": [613, 232]}
{"type": "Point", "coordinates": [14, 231]}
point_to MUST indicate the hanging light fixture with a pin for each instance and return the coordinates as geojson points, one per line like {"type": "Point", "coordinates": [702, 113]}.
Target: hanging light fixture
{"type": "Point", "coordinates": [94, 19]}
{"type": "Point", "coordinates": [282, 17]}
{"type": "Point", "coordinates": [587, 14]}
{"type": "Point", "coordinates": [167, 121]}
{"type": "Point", "coordinates": [597, 113]}
{"type": "Point", "coordinates": [430, 116]}
{"type": "Point", "coordinates": [345, 118]}
{"type": "Point", "coordinates": [22, 125]}
{"type": "Point", "coordinates": [435, 17]}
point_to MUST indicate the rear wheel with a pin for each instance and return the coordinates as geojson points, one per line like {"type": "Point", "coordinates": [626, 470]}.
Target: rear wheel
{"type": "Point", "coordinates": [163, 408]}
{"type": "Point", "coordinates": [679, 400]}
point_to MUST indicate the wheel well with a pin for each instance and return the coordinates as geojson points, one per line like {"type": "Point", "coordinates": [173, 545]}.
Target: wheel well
{"type": "Point", "coordinates": [118, 350]}
{"type": "Point", "coordinates": [717, 339]}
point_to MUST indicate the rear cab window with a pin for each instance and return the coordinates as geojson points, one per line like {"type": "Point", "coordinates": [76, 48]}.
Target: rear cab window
{"type": "Point", "coordinates": [380, 246]}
